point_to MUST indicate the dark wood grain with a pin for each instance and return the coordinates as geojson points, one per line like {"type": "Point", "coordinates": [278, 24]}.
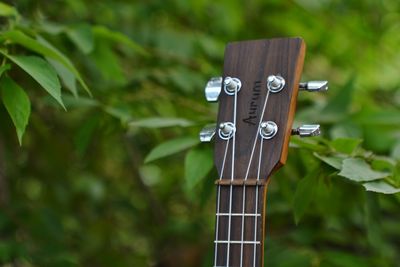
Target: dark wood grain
{"type": "Point", "coordinates": [252, 62]}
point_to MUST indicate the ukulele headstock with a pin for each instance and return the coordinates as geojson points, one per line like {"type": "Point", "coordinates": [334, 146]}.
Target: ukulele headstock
{"type": "Point", "coordinates": [257, 97]}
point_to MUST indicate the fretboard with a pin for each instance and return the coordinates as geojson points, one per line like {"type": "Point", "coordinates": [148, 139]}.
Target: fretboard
{"type": "Point", "coordinates": [239, 228]}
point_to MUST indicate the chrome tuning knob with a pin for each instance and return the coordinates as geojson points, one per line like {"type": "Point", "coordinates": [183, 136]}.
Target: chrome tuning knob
{"type": "Point", "coordinates": [213, 89]}
{"type": "Point", "coordinates": [314, 86]}
{"type": "Point", "coordinates": [207, 133]}
{"type": "Point", "coordinates": [307, 130]}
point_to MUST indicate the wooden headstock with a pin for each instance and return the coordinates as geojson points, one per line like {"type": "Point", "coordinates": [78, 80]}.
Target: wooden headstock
{"type": "Point", "coordinates": [252, 62]}
{"type": "Point", "coordinates": [257, 95]}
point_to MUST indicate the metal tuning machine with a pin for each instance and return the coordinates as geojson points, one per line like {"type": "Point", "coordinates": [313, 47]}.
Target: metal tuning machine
{"type": "Point", "coordinates": [207, 133]}
{"type": "Point", "coordinates": [213, 89]}
{"type": "Point", "coordinates": [307, 130]}
{"type": "Point", "coordinates": [314, 86]}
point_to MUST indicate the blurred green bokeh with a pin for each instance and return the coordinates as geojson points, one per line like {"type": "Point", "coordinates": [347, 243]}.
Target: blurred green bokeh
{"type": "Point", "coordinates": [120, 179]}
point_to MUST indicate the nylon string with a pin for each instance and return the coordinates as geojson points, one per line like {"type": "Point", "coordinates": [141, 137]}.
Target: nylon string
{"type": "Point", "coordinates": [232, 177]}
{"type": "Point", "coordinates": [218, 204]}
{"type": "Point", "coordinates": [258, 177]}
{"type": "Point", "coordinates": [256, 208]}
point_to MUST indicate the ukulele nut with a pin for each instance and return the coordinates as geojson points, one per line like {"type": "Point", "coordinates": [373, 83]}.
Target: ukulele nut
{"type": "Point", "coordinates": [268, 129]}
{"type": "Point", "coordinates": [232, 85]}
{"type": "Point", "coordinates": [275, 83]}
{"type": "Point", "coordinates": [226, 130]}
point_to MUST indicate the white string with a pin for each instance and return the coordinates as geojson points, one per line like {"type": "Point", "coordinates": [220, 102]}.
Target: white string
{"type": "Point", "coordinates": [242, 235]}
{"type": "Point", "coordinates": [223, 162]}
{"type": "Point", "coordinates": [232, 177]}
{"type": "Point", "coordinates": [218, 203]}
{"type": "Point", "coordinates": [256, 208]}
{"type": "Point", "coordinates": [247, 175]}
{"type": "Point", "coordinates": [259, 159]}
{"type": "Point", "coordinates": [255, 138]}
{"type": "Point", "coordinates": [234, 135]}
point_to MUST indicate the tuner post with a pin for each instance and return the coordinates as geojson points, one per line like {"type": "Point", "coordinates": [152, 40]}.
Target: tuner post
{"type": "Point", "coordinates": [232, 85]}
{"type": "Point", "coordinates": [268, 129]}
{"type": "Point", "coordinates": [275, 83]}
{"type": "Point", "coordinates": [226, 130]}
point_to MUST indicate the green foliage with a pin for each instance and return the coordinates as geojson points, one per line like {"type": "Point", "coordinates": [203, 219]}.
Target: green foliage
{"type": "Point", "coordinates": [358, 170]}
{"type": "Point", "coordinates": [42, 72]}
{"type": "Point", "coordinates": [17, 104]}
{"type": "Point", "coordinates": [304, 195]}
{"type": "Point", "coordinates": [121, 179]}
{"type": "Point", "coordinates": [171, 147]}
{"type": "Point", "coordinates": [198, 163]}
{"type": "Point", "coordinates": [82, 36]}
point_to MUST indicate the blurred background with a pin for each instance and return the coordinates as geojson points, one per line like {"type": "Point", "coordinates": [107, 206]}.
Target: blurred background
{"type": "Point", "coordinates": [120, 179]}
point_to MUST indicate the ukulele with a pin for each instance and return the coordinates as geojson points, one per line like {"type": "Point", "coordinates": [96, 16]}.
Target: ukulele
{"type": "Point", "coordinates": [257, 100]}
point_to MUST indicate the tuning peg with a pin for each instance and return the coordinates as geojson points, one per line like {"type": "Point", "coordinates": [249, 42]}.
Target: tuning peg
{"type": "Point", "coordinates": [314, 86]}
{"type": "Point", "coordinates": [213, 89]}
{"type": "Point", "coordinates": [207, 133]}
{"type": "Point", "coordinates": [307, 130]}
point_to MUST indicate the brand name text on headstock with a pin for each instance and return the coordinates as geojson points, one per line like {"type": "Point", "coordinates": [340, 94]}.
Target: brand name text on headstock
{"type": "Point", "coordinates": [254, 100]}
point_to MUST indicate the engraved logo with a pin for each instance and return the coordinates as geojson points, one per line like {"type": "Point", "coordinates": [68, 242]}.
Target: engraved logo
{"type": "Point", "coordinates": [252, 113]}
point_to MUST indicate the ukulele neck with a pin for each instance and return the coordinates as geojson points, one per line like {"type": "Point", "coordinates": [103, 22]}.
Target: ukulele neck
{"type": "Point", "coordinates": [257, 99]}
{"type": "Point", "coordinates": [240, 223]}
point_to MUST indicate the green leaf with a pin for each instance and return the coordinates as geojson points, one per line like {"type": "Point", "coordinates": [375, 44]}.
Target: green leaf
{"type": "Point", "coordinates": [17, 104]}
{"type": "Point", "coordinates": [80, 102]}
{"type": "Point", "coordinates": [42, 72]}
{"type": "Point", "coordinates": [159, 122]}
{"type": "Point", "coordinates": [65, 61]}
{"type": "Point", "coordinates": [358, 170]}
{"type": "Point", "coordinates": [198, 163]}
{"type": "Point", "coordinates": [52, 27]}
{"type": "Point", "coordinates": [108, 63]}
{"type": "Point", "coordinates": [307, 144]}
{"type": "Point", "coordinates": [4, 68]}
{"type": "Point", "coordinates": [7, 11]}
{"type": "Point", "coordinates": [381, 187]}
{"type": "Point", "coordinates": [385, 164]}
{"type": "Point", "coordinates": [335, 162]}
{"type": "Point", "coordinates": [121, 113]}
{"type": "Point", "coordinates": [340, 103]}
{"type": "Point", "coordinates": [119, 38]}
{"type": "Point", "coordinates": [82, 36]}
{"type": "Point", "coordinates": [345, 145]}
{"type": "Point", "coordinates": [304, 194]}
{"type": "Point", "coordinates": [337, 107]}
{"type": "Point", "coordinates": [43, 47]}
{"type": "Point", "coordinates": [171, 147]}
{"type": "Point", "coordinates": [67, 77]}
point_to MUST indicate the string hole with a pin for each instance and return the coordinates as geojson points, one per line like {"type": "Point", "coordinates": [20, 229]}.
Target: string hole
{"type": "Point", "coordinates": [275, 83]}
{"type": "Point", "coordinates": [232, 85]}
{"type": "Point", "coordinates": [226, 130]}
{"type": "Point", "coordinates": [268, 129]}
